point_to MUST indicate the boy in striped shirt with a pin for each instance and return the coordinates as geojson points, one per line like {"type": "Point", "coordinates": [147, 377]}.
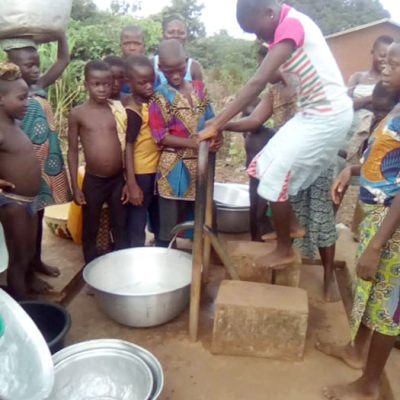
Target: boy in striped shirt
{"type": "Point", "coordinates": [308, 143]}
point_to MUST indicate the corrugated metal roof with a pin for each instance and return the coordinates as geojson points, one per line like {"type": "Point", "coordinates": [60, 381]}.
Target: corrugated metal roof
{"type": "Point", "coordinates": [360, 27]}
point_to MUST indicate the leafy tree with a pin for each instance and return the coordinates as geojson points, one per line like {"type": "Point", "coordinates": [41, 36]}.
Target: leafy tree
{"type": "Point", "coordinates": [338, 15]}
{"type": "Point", "coordinates": [191, 11]}
{"type": "Point", "coordinates": [122, 7]}
{"type": "Point", "coordinates": [119, 7]}
{"type": "Point", "coordinates": [83, 10]}
{"type": "Point", "coordinates": [226, 59]}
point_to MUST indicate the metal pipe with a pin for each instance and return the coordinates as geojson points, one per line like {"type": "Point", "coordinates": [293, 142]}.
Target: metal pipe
{"type": "Point", "coordinates": [216, 244]}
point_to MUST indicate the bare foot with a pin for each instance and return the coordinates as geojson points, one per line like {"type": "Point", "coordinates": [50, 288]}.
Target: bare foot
{"type": "Point", "coordinates": [331, 290]}
{"type": "Point", "coordinates": [37, 285]}
{"type": "Point", "coordinates": [357, 390]}
{"type": "Point", "coordinates": [295, 234]}
{"type": "Point", "coordinates": [345, 353]}
{"type": "Point", "coordinates": [278, 259]}
{"type": "Point", "coordinates": [45, 269]}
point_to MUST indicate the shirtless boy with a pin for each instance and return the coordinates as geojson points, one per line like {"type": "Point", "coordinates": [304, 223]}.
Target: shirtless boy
{"type": "Point", "coordinates": [19, 180]}
{"type": "Point", "coordinates": [94, 125]}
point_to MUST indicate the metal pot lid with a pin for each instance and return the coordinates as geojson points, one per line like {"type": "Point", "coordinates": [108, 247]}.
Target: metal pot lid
{"type": "Point", "coordinates": [232, 195]}
{"type": "Point", "coordinates": [26, 366]}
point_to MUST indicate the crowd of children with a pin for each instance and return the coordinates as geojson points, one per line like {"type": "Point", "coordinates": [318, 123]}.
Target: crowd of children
{"type": "Point", "coordinates": [140, 130]}
{"type": "Point", "coordinates": [137, 131]}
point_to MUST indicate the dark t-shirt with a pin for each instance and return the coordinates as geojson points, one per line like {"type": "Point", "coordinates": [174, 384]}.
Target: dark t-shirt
{"type": "Point", "coordinates": [134, 126]}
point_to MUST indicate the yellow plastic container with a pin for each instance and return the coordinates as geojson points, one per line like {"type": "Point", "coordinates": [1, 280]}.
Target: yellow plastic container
{"type": "Point", "coordinates": [74, 223]}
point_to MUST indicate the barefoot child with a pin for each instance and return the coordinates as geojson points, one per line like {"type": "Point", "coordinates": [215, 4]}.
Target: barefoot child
{"type": "Point", "coordinates": [294, 158]}
{"type": "Point", "coordinates": [178, 111]}
{"type": "Point", "coordinates": [94, 125]}
{"type": "Point", "coordinates": [54, 187]}
{"type": "Point", "coordinates": [375, 318]}
{"type": "Point", "coordinates": [142, 153]}
{"type": "Point", "coordinates": [19, 180]}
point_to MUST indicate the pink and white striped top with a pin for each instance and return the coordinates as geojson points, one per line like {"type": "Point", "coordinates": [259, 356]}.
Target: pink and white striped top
{"type": "Point", "coordinates": [321, 86]}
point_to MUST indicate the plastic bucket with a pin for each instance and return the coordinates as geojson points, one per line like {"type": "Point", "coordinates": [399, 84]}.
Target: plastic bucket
{"type": "Point", "coordinates": [52, 320]}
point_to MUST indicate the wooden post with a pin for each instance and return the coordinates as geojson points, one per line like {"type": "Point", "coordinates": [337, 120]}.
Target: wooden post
{"type": "Point", "coordinates": [199, 219]}
{"type": "Point", "coordinates": [209, 214]}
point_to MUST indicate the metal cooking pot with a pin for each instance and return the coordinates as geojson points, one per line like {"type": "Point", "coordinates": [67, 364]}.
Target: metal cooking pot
{"type": "Point", "coordinates": [233, 220]}
{"type": "Point", "coordinates": [231, 195]}
{"type": "Point", "coordinates": [141, 287]}
{"type": "Point", "coordinates": [109, 353]}
{"type": "Point", "coordinates": [101, 370]}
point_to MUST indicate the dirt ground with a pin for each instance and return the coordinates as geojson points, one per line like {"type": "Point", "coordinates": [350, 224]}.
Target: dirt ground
{"type": "Point", "coordinates": [192, 372]}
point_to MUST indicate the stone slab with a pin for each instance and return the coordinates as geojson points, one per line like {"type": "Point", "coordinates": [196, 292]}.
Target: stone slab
{"type": "Point", "coordinates": [260, 320]}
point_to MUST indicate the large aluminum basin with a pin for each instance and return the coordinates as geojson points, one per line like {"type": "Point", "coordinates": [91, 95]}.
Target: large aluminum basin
{"type": "Point", "coordinates": [101, 370]}
{"type": "Point", "coordinates": [141, 287]}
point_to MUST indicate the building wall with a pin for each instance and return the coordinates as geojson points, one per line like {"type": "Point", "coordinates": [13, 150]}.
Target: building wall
{"type": "Point", "coordinates": [353, 50]}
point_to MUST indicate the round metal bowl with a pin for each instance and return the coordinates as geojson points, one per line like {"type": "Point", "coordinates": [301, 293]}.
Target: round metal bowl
{"type": "Point", "coordinates": [26, 368]}
{"type": "Point", "coordinates": [120, 346]}
{"type": "Point", "coordinates": [141, 287]}
{"type": "Point", "coordinates": [101, 370]}
{"type": "Point", "coordinates": [233, 220]}
{"type": "Point", "coordinates": [231, 195]}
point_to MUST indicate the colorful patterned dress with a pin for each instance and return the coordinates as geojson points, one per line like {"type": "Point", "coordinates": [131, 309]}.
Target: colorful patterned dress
{"type": "Point", "coordinates": [170, 113]}
{"type": "Point", "coordinates": [39, 125]}
{"type": "Point", "coordinates": [377, 306]}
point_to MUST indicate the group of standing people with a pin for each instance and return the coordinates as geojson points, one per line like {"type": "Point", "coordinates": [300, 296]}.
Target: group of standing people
{"type": "Point", "coordinates": [140, 129]}
{"type": "Point", "coordinates": [138, 133]}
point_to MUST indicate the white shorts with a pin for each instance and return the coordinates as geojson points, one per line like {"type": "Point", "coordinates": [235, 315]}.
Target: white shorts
{"type": "Point", "coordinates": [298, 153]}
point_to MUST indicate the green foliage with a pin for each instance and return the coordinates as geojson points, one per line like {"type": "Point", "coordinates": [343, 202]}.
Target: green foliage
{"type": "Point", "coordinates": [68, 91]}
{"type": "Point", "coordinates": [191, 12]}
{"type": "Point", "coordinates": [121, 7]}
{"type": "Point", "coordinates": [227, 60]}
{"type": "Point", "coordinates": [236, 152]}
{"type": "Point", "coordinates": [83, 10]}
{"type": "Point", "coordinates": [338, 15]}
{"type": "Point", "coordinates": [92, 42]}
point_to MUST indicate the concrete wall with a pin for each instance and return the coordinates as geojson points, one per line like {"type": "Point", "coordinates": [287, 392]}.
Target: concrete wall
{"type": "Point", "coordinates": [353, 50]}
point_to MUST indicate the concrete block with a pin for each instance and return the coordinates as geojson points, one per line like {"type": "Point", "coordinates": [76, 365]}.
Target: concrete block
{"type": "Point", "coordinates": [244, 255]}
{"type": "Point", "coordinates": [260, 320]}
{"type": "Point", "coordinates": [290, 276]}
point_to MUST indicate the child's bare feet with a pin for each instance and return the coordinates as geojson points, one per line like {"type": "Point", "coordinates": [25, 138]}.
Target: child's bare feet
{"type": "Point", "coordinates": [294, 234]}
{"type": "Point", "coordinates": [331, 290]}
{"type": "Point", "coordinates": [357, 390]}
{"type": "Point", "coordinates": [46, 269]}
{"type": "Point", "coordinates": [345, 353]}
{"type": "Point", "coordinates": [280, 258]}
{"type": "Point", "coordinates": [37, 285]}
